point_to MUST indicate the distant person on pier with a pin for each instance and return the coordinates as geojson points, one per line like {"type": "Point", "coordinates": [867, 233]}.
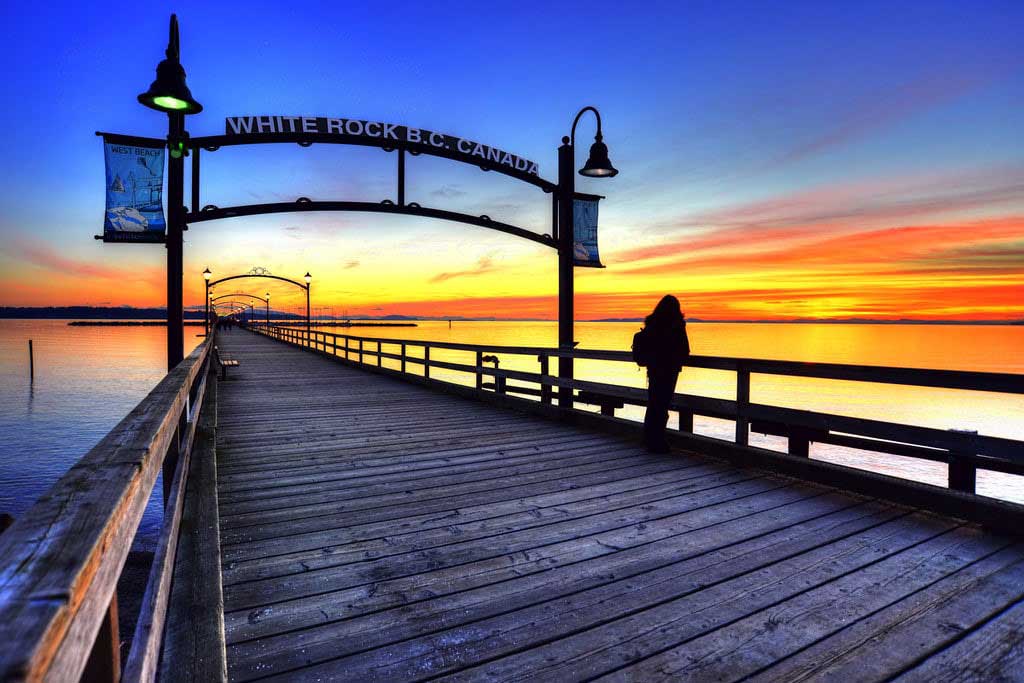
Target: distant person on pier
{"type": "Point", "coordinates": [662, 347]}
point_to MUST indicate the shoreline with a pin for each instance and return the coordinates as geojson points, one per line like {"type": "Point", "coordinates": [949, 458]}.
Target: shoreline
{"type": "Point", "coordinates": [199, 323]}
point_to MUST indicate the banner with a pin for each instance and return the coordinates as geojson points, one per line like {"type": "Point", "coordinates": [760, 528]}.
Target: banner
{"type": "Point", "coordinates": [135, 183]}
{"type": "Point", "coordinates": [584, 230]}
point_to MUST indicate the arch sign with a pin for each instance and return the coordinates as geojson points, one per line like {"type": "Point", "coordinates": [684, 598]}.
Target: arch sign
{"type": "Point", "coordinates": [374, 132]}
{"type": "Point", "coordinates": [574, 225]}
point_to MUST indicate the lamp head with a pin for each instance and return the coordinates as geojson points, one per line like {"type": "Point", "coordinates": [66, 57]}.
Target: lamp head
{"type": "Point", "coordinates": [598, 165]}
{"type": "Point", "coordinates": [207, 274]}
{"type": "Point", "coordinates": [168, 93]}
{"type": "Point", "coordinates": [307, 277]}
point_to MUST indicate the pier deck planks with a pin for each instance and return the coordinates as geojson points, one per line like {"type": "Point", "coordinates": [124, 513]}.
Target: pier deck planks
{"type": "Point", "coordinates": [374, 530]}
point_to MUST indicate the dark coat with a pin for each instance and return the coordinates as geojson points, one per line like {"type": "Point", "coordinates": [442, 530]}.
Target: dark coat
{"type": "Point", "coordinates": [670, 347]}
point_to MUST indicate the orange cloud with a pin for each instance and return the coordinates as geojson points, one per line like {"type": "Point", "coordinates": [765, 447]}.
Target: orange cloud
{"type": "Point", "coordinates": [934, 245]}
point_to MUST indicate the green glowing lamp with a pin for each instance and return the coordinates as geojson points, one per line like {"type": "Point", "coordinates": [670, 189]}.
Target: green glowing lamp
{"type": "Point", "coordinates": [168, 93]}
{"type": "Point", "coordinates": [166, 102]}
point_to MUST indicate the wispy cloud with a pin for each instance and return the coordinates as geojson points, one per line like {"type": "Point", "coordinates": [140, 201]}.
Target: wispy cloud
{"type": "Point", "coordinates": [881, 109]}
{"type": "Point", "coordinates": [449, 191]}
{"type": "Point", "coordinates": [484, 265]}
{"type": "Point", "coordinates": [932, 246]}
{"type": "Point", "coordinates": [839, 209]}
{"type": "Point", "coordinates": [45, 256]}
{"type": "Point", "coordinates": [884, 199]}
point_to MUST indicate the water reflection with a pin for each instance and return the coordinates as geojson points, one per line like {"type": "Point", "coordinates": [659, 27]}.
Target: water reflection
{"type": "Point", "coordinates": [86, 380]}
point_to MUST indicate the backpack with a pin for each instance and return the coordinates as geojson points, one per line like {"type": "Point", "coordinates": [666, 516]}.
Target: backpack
{"type": "Point", "coordinates": [642, 351]}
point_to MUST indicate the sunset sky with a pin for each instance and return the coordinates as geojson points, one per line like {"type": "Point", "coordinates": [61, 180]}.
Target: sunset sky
{"type": "Point", "coordinates": [777, 160]}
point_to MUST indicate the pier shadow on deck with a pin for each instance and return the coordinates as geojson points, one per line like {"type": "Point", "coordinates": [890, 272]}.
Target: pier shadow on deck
{"type": "Point", "coordinates": [375, 530]}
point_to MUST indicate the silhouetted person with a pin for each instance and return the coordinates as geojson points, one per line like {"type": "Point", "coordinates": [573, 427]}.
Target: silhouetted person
{"type": "Point", "coordinates": [664, 349]}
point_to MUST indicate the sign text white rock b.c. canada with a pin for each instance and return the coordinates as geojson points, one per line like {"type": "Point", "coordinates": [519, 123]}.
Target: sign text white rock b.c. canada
{"type": "Point", "coordinates": [377, 131]}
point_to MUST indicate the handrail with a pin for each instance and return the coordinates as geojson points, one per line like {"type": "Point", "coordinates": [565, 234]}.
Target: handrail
{"type": "Point", "coordinates": [949, 379]}
{"type": "Point", "coordinates": [964, 451]}
{"type": "Point", "coordinates": [61, 560]}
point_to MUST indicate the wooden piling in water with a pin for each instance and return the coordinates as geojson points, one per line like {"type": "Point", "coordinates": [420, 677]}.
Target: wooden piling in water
{"type": "Point", "coordinates": [31, 363]}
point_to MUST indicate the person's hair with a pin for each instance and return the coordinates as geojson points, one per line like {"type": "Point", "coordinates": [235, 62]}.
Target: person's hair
{"type": "Point", "coordinates": [667, 314]}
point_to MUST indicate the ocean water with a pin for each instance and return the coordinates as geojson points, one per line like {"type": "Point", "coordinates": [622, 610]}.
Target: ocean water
{"type": "Point", "coordinates": [86, 381]}
{"type": "Point", "coordinates": [88, 378]}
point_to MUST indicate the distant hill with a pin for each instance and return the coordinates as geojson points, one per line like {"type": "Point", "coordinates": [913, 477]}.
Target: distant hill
{"type": "Point", "coordinates": [109, 313]}
{"type": "Point", "coordinates": [92, 313]}
{"type": "Point", "coordinates": [193, 313]}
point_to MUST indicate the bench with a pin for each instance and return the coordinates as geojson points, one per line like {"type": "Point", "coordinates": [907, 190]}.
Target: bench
{"type": "Point", "coordinates": [224, 362]}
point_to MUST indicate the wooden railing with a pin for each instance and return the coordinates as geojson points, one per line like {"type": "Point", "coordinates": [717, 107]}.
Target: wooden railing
{"type": "Point", "coordinates": [60, 562]}
{"type": "Point", "coordinates": [965, 452]}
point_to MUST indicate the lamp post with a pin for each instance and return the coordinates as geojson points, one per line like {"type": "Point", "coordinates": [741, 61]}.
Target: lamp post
{"type": "Point", "coordinates": [206, 322]}
{"type": "Point", "coordinates": [268, 310]}
{"type": "Point", "coordinates": [169, 94]}
{"type": "Point", "coordinates": [597, 166]}
{"type": "Point", "coordinates": [309, 279]}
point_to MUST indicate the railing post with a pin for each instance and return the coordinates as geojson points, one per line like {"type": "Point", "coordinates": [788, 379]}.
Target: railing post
{"type": "Point", "coordinates": [104, 663]}
{"type": "Point", "coordinates": [799, 443]}
{"type": "Point", "coordinates": [742, 401]}
{"type": "Point", "coordinates": [426, 361]}
{"type": "Point", "coordinates": [963, 475]}
{"type": "Point", "coordinates": [360, 351]}
{"type": "Point", "coordinates": [479, 374]}
{"type": "Point", "coordinates": [173, 453]}
{"type": "Point", "coordinates": [403, 357]}
{"type": "Point", "coordinates": [686, 421]}
{"type": "Point", "coordinates": [379, 359]}
{"type": "Point", "coordinates": [545, 370]}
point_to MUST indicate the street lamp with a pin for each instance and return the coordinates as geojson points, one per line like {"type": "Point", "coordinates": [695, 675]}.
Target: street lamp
{"type": "Point", "coordinates": [268, 310]}
{"type": "Point", "coordinates": [309, 279]}
{"type": "Point", "coordinates": [169, 94]}
{"type": "Point", "coordinates": [597, 166]}
{"type": "Point", "coordinates": [206, 277]}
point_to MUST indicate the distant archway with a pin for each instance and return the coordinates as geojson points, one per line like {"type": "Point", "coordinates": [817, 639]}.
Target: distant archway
{"type": "Point", "coordinates": [258, 272]}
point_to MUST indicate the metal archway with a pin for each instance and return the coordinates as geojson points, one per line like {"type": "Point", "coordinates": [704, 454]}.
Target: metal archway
{"type": "Point", "coordinates": [563, 194]}
{"type": "Point", "coordinates": [265, 300]}
{"type": "Point", "coordinates": [231, 308]}
{"type": "Point", "coordinates": [305, 131]}
{"type": "Point", "coordinates": [263, 273]}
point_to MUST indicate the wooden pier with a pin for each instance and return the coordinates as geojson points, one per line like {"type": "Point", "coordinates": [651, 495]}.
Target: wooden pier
{"type": "Point", "coordinates": [342, 523]}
